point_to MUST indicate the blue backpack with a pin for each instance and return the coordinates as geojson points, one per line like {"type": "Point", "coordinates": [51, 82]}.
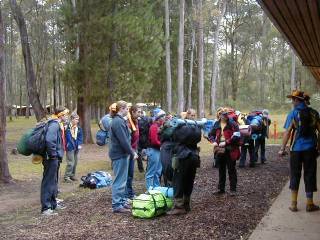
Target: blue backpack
{"type": "Point", "coordinates": [102, 136]}
{"type": "Point", "coordinates": [98, 179]}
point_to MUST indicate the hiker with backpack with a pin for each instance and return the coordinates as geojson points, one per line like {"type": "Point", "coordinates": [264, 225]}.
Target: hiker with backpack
{"type": "Point", "coordinates": [144, 123]}
{"type": "Point", "coordinates": [120, 152]}
{"type": "Point", "coordinates": [302, 128]}
{"type": "Point", "coordinates": [135, 113]}
{"type": "Point", "coordinates": [54, 151]}
{"type": "Point", "coordinates": [225, 136]}
{"type": "Point", "coordinates": [261, 140]}
{"type": "Point", "coordinates": [103, 135]}
{"type": "Point", "coordinates": [185, 162]}
{"type": "Point", "coordinates": [74, 139]}
{"type": "Point", "coordinates": [247, 146]}
{"type": "Point", "coordinates": [154, 166]}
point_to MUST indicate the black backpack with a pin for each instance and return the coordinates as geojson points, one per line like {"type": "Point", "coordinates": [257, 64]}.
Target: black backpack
{"type": "Point", "coordinates": [187, 134]}
{"type": "Point", "coordinates": [144, 126]}
{"type": "Point", "coordinates": [307, 122]}
{"type": "Point", "coordinates": [36, 142]}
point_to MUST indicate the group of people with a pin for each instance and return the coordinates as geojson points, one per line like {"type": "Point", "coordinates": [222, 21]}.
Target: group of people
{"type": "Point", "coordinates": [134, 136]}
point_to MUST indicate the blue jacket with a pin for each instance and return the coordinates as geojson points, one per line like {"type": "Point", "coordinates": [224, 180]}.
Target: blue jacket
{"type": "Point", "coordinates": [120, 139]}
{"type": "Point", "coordinates": [54, 142]}
{"type": "Point", "coordinates": [72, 144]}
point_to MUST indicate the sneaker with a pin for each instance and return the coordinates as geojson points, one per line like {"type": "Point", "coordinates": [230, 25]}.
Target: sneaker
{"type": "Point", "coordinates": [73, 179]}
{"type": "Point", "coordinates": [59, 200]}
{"type": "Point", "coordinates": [233, 193]}
{"type": "Point", "coordinates": [67, 180]}
{"type": "Point", "coordinates": [121, 210]}
{"type": "Point", "coordinates": [127, 206]}
{"type": "Point", "coordinates": [312, 208]}
{"type": "Point", "coordinates": [293, 209]}
{"type": "Point", "coordinates": [49, 212]}
{"type": "Point", "coordinates": [177, 211]}
{"type": "Point", "coordinates": [60, 207]}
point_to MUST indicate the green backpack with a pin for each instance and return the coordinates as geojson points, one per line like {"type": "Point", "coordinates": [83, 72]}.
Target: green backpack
{"type": "Point", "coordinates": [22, 145]}
{"type": "Point", "coordinates": [151, 204]}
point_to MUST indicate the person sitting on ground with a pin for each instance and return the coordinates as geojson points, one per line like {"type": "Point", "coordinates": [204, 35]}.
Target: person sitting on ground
{"type": "Point", "coordinates": [135, 113]}
{"type": "Point", "coordinates": [154, 166]}
{"type": "Point", "coordinates": [303, 127]}
{"type": "Point", "coordinates": [74, 139]}
{"type": "Point", "coordinates": [54, 154]}
{"type": "Point", "coordinates": [119, 152]}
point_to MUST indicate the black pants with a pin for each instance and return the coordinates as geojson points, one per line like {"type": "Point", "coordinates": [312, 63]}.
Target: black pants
{"type": "Point", "coordinates": [49, 184]}
{"type": "Point", "coordinates": [183, 178]}
{"type": "Point", "coordinates": [307, 160]}
{"type": "Point", "coordinates": [248, 146]}
{"type": "Point", "coordinates": [224, 163]}
{"type": "Point", "coordinates": [260, 143]}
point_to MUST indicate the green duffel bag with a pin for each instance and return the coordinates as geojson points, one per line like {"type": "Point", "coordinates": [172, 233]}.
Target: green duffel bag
{"type": "Point", "coordinates": [151, 204]}
{"type": "Point", "coordinates": [22, 145]}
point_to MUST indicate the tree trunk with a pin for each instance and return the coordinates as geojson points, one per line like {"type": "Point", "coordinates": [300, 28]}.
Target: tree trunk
{"type": "Point", "coordinates": [181, 58]}
{"type": "Point", "coordinates": [222, 8]}
{"type": "Point", "coordinates": [31, 79]}
{"type": "Point", "coordinates": [4, 167]}
{"type": "Point", "coordinates": [168, 64]}
{"type": "Point", "coordinates": [282, 71]}
{"type": "Point", "coordinates": [54, 78]}
{"type": "Point", "coordinates": [201, 112]}
{"type": "Point", "coordinates": [293, 71]}
{"type": "Point", "coordinates": [193, 40]}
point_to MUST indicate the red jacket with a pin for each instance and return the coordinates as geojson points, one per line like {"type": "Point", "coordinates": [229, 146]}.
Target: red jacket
{"type": "Point", "coordinates": [153, 135]}
{"type": "Point", "coordinates": [231, 142]}
{"type": "Point", "coordinates": [134, 136]}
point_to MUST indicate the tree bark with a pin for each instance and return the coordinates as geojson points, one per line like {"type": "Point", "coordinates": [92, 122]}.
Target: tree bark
{"type": "Point", "coordinates": [181, 58]}
{"type": "Point", "coordinates": [201, 112]}
{"type": "Point", "coordinates": [31, 79]}
{"type": "Point", "coordinates": [193, 40]}
{"type": "Point", "coordinates": [293, 71]}
{"type": "Point", "coordinates": [4, 167]}
{"type": "Point", "coordinates": [222, 8]}
{"type": "Point", "coordinates": [168, 64]}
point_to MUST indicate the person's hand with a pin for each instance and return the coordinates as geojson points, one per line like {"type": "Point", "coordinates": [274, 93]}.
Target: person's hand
{"type": "Point", "coordinates": [282, 152]}
{"type": "Point", "coordinates": [222, 144]}
{"type": "Point", "coordinates": [79, 147]}
{"type": "Point", "coordinates": [135, 156]}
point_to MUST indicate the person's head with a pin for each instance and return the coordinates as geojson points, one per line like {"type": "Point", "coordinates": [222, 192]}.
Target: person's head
{"type": "Point", "coordinates": [122, 108]}
{"type": "Point", "coordinates": [224, 116]}
{"type": "Point", "coordinates": [135, 112]}
{"type": "Point", "coordinates": [219, 111]}
{"type": "Point", "coordinates": [265, 112]}
{"type": "Point", "coordinates": [112, 109]}
{"type": "Point", "coordinates": [306, 98]}
{"type": "Point", "coordinates": [160, 116]}
{"type": "Point", "coordinates": [74, 119]}
{"type": "Point", "coordinates": [62, 113]}
{"type": "Point", "coordinates": [191, 114]}
{"type": "Point", "coordinates": [296, 97]}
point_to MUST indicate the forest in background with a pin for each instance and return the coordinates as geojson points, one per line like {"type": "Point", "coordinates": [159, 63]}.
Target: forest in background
{"type": "Point", "coordinates": [183, 53]}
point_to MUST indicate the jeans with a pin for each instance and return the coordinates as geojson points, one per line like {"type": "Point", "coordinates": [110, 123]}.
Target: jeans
{"type": "Point", "coordinates": [260, 143]}
{"type": "Point", "coordinates": [120, 170]}
{"type": "Point", "coordinates": [49, 184]}
{"type": "Point", "coordinates": [248, 146]}
{"type": "Point", "coordinates": [72, 161]}
{"type": "Point", "coordinates": [154, 168]}
{"type": "Point", "coordinates": [129, 189]}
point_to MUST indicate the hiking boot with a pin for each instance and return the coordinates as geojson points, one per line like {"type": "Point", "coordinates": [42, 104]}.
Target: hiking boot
{"type": "Point", "coordinates": [177, 211]}
{"type": "Point", "coordinates": [312, 208]}
{"type": "Point", "coordinates": [121, 210]}
{"type": "Point", "coordinates": [48, 212]}
{"type": "Point", "coordinates": [67, 180]}
{"type": "Point", "coordinates": [293, 208]}
{"type": "Point", "coordinates": [73, 179]}
{"type": "Point", "coordinates": [219, 192]}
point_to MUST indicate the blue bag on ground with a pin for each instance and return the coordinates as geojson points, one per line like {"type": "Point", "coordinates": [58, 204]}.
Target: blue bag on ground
{"type": "Point", "coordinates": [98, 179]}
{"type": "Point", "coordinates": [166, 191]}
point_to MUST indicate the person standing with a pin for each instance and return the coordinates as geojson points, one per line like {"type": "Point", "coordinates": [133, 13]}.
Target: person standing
{"type": "Point", "coordinates": [225, 137]}
{"type": "Point", "coordinates": [154, 167]}
{"type": "Point", "coordinates": [135, 113]}
{"type": "Point", "coordinates": [120, 151]}
{"type": "Point", "coordinates": [53, 156]}
{"type": "Point", "coordinates": [74, 139]}
{"type": "Point", "coordinates": [302, 128]}
{"type": "Point", "coordinates": [261, 140]}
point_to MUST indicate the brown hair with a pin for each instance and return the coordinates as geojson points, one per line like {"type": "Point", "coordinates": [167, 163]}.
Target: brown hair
{"type": "Point", "coordinates": [120, 104]}
{"type": "Point", "coordinates": [59, 109]}
{"type": "Point", "coordinates": [132, 110]}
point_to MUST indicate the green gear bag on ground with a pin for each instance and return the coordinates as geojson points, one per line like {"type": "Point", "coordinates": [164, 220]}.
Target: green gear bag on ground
{"type": "Point", "coordinates": [151, 204]}
{"type": "Point", "coordinates": [22, 145]}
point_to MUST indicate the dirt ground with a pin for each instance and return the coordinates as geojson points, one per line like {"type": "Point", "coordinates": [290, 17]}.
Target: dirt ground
{"type": "Point", "coordinates": [89, 215]}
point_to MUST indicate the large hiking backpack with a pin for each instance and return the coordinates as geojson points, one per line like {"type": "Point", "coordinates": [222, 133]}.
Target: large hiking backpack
{"type": "Point", "coordinates": [98, 179]}
{"type": "Point", "coordinates": [151, 204]}
{"type": "Point", "coordinates": [144, 126]}
{"type": "Point", "coordinates": [307, 120]}
{"type": "Point", "coordinates": [102, 135]}
{"type": "Point", "coordinates": [187, 134]}
{"type": "Point", "coordinates": [22, 145]}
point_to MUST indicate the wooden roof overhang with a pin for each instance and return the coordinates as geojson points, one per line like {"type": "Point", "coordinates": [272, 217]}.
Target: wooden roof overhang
{"type": "Point", "coordinates": [299, 22]}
